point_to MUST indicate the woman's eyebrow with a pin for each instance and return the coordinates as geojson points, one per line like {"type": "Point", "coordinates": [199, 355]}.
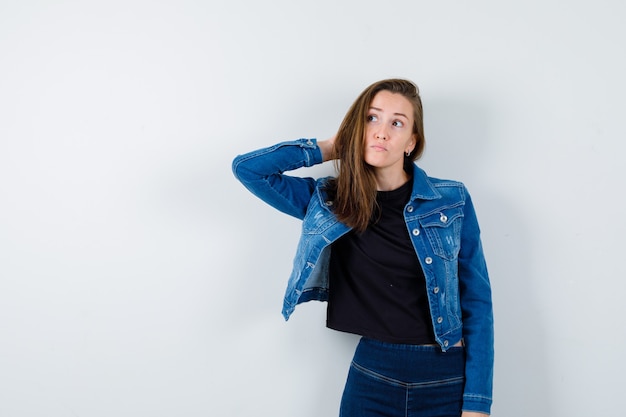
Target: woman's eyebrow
{"type": "Point", "coordinates": [395, 114]}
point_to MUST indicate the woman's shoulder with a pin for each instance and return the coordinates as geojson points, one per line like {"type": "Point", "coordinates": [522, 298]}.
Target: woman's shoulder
{"type": "Point", "coordinates": [438, 183]}
{"type": "Point", "coordinates": [445, 182]}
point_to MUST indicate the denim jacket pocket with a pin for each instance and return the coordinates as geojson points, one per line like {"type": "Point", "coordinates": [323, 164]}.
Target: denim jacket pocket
{"type": "Point", "coordinates": [443, 229]}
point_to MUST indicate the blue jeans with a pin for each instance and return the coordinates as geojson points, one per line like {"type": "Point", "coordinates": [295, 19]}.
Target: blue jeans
{"type": "Point", "coordinates": [394, 380]}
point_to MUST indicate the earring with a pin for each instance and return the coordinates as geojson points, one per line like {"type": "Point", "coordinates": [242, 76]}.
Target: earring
{"type": "Point", "coordinates": [408, 153]}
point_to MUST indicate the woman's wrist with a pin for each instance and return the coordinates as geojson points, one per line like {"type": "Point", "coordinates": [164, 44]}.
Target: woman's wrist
{"type": "Point", "coordinates": [327, 147]}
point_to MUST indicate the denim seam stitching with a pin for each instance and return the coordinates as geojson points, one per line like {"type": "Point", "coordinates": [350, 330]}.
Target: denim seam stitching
{"type": "Point", "coordinates": [393, 381]}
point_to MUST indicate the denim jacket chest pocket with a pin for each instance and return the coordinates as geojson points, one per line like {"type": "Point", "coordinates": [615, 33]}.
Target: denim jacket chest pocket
{"type": "Point", "coordinates": [443, 230]}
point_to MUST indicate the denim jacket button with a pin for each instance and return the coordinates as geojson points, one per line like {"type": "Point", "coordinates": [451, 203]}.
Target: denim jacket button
{"type": "Point", "coordinates": [446, 343]}
{"type": "Point", "coordinates": [416, 232]}
{"type": "Point", "coordinates": [410, 209]}
{"type": "Point", "coordinates": [436, 290]}
{"type": "Point", "coordinates": [439, 320]}
{"type": "Point", "coordinates": [429, 260]}
{"type": "Point", "coordinates": [443, 218]}
{"type": "Point", "coordinates": [329, 203]}
{"type": "Point", "coordinates": [309, 142]}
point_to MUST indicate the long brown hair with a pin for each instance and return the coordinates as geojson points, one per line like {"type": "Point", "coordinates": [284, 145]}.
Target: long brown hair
{"type": "Point", "coordinates": [354, 189]}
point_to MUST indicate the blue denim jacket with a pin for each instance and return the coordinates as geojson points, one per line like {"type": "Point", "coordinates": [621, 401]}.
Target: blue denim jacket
{"type": "Point", "coordinates": [441, 221]}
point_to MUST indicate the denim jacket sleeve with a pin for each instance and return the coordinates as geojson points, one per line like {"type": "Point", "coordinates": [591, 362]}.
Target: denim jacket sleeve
{"type": "Point", "coordinates": [261, 172]}
{"type": "Point", "coordinates": [476, 307]}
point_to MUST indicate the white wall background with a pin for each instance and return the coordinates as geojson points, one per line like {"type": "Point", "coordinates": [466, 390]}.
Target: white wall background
{"type": "Point", "coordinates": [138, 278]}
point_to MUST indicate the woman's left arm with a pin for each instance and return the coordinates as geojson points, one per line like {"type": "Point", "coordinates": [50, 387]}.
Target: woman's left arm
{"type": "Point", "coordinates": [477, 310]}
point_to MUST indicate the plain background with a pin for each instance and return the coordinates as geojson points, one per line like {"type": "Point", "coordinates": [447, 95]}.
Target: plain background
{"type": "Point", "coordinates": [138, 278]}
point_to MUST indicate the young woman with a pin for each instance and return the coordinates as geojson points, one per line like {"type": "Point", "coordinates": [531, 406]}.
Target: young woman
{"type": "Point", "coordinates": [396, 254]}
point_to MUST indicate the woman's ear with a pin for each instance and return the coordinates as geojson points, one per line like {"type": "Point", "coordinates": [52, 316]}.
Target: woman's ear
{"type": "Point", "coordinates": [412, 144]}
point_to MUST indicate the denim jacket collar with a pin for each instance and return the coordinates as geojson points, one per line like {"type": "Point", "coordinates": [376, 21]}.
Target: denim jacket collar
{"type": "Point", "coordinates": [422, 187]}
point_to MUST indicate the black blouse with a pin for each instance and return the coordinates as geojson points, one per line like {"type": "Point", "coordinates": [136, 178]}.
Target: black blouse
{"type": "Point", "coordinates": [377, 286]}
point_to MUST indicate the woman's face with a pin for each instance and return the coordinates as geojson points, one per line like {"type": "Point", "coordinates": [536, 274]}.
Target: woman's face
{"type": "Point", "coordinates": [389, 131]}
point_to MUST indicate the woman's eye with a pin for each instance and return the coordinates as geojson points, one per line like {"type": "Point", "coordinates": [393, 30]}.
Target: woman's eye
{"type": "Point", "coordinates": [372, 118]}
{"type": "Point", "coordinates": [398, 123]}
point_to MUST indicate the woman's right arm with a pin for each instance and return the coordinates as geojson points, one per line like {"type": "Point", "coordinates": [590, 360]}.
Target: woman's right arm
{"type": "Point", "coordinates": [261, 172]}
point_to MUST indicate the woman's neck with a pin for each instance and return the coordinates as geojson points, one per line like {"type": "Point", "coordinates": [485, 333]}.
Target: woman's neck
{"type": "Point", "coordinates": [389, 181]}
